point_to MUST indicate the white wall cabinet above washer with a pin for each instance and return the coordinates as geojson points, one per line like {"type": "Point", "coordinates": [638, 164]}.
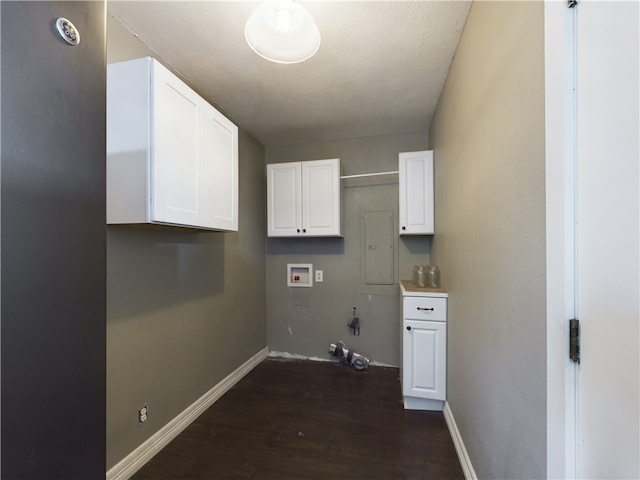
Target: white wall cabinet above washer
{"type": "Point", "coordinates": [416, 193]}
{"type": "Point", "coordinates": [172, 158]}
{"type": "Point", "coordinates": [304, 199]}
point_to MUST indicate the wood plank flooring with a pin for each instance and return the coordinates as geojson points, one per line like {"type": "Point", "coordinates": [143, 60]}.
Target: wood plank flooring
{"type": "Point", "coordinates": [297, 419]}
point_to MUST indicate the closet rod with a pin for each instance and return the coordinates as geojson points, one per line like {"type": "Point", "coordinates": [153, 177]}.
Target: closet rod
{"type": "Point", "coordinates": [368, 174]}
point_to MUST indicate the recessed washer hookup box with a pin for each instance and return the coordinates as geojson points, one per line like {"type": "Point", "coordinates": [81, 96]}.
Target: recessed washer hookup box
{"type": "Point", "coordinates": [299, 275]}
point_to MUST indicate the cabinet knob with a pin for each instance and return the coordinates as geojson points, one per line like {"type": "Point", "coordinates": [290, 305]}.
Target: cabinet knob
{"type": "Point", "coordinates": [409, 328]}
{"type": "Point", "coordinates": [298, 230]}
{"type": "Point", "coordinates": [304, 230]}
{"type": "Point", "coordinates": [404, 228]}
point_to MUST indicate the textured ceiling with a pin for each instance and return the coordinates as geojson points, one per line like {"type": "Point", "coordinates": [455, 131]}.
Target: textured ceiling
{"type": "Point", "coordinates": [380, 68]}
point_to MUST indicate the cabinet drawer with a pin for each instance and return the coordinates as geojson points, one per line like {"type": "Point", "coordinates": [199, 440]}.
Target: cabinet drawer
{"type": "Point", "coordinates": [425, 308]}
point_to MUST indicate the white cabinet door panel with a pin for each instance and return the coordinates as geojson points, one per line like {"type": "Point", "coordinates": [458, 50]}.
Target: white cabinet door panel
{"type": "Point", "coordinates": [219, 157]}
{"type": "Point", "coordinates": [416, 191]}
{"type": "Point", "coordinates": [424, 359]}
{"type": "Point", "coordinates": [175, 193]}
{"type": "Point", "coordinates": [320, 197]}
{"type": "Point", "coordinates": [284, 198]}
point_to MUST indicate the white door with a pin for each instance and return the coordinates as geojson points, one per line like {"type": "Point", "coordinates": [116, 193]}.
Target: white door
{"type": "Point", "coordinates": [176, 195]}
{"type": "Point", "coordinates": [424, 359]}
{"type": "Point", "coordinates": [218, 157]}
{"type": "Point", "coordinates": [607, 285]}
{"type": "Point", "coordinates": [416, 193]}
{"type": "Point", "coordinates": [321, 197]}
{"type": "Point", "coordinates": [592, 154]}
{"type": "Point", "coordinates": [284, 215]}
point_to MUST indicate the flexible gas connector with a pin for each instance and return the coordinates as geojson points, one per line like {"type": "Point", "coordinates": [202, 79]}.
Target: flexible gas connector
{"type": "Point", "coordinates": [340, 350]}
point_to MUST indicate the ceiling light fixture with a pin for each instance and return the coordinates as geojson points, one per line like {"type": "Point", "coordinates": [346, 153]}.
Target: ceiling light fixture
{"type": "Point", "coordinates": [282, 31]}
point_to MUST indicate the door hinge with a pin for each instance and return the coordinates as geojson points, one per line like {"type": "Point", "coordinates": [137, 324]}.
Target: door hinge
{"type": "Point", "coordinates": [574, 340]}
{"type": "Point", "coordinates": [572, 3]}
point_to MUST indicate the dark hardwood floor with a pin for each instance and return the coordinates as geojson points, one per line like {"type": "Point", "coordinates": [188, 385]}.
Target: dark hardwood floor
{"type": "Point", "coordinates": [296, 419]}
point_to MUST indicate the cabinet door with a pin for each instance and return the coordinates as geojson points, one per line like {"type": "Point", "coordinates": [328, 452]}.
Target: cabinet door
{"type": "Point", "coordinates": [175, 189]}
{"type": "Point", "coordinates": [219, 169]}
{"type": "Point", "coordinates": [424, 359]}
{"type": "Point", "coordinates": [284, 215]}
{"type": "Point", "coordinates": [416, 193]}
{"type": "Point", "coordinates": [321, 198]}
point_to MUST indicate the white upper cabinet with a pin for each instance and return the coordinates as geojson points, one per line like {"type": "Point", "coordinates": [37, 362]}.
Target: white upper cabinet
{"type": "Point", "coordinates": [304, 199]}
{"type": "Point", "coordinates": [416, 193]}
{"type": "Point", "coordinates": [172, 158]}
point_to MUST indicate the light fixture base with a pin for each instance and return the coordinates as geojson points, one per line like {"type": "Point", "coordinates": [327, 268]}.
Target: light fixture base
{"type": "Point", "coordinates": [282, 31]}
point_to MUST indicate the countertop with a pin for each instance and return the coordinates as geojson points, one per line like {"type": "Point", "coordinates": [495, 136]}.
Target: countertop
{"type": "Point", "coordinates": [409, 289]}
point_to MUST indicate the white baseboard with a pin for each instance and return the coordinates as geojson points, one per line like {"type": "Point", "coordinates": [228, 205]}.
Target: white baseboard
{"type": "Point", "coordinates": [145, 452]}
{"type": "Point", "coordinates": [295, 356]}
{"type": "Point", "coordinates": [463, 456]}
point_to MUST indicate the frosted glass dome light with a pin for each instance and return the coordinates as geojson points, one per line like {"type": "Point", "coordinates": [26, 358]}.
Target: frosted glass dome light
{"type": "Point", "coordinates": [282, 31]}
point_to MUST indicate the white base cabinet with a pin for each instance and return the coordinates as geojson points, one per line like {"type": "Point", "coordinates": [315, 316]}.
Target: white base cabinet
{"type": "Point", "coordinates": [172, 158]}
{"type": "Point", "coordinates": [416, 212]}
{"type": "Point", "coordinates": [424, 348]}
{"type": "Point", "coordinates": [304, 199]}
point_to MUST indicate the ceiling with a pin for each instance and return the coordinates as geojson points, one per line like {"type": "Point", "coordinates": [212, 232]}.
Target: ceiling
{"type": "Point", "coordinates": [379, 70]}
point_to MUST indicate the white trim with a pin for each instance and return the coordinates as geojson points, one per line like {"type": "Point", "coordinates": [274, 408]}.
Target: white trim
{"type": "Point", "coordinates": [463, 456]}
{"type": "Point", "coordinates": [295, 356]}
{"type": "Point", "coordinates": [560, 124]}
{"type": "Point", "coordinates": [417, 403]}
{"type": "Point", "coordinates": [146, 451]}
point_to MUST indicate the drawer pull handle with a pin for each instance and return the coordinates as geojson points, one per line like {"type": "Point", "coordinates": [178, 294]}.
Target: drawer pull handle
{"type": "Point", "coordinates": [408, 328]}
{"type": "Point", "coordinates": [426, 309]}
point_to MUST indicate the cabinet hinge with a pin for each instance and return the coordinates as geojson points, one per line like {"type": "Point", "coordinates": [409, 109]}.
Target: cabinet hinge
{"type": "Point", "coordinates": [574, 340]}
{"type": "Point", "coordinates": [572, 3]}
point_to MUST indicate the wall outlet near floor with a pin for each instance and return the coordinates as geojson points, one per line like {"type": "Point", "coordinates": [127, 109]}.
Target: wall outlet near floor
{"type": "Point", "coordinates": [143, 414]}
{"type": "Point", "coordinates": [319, 276]}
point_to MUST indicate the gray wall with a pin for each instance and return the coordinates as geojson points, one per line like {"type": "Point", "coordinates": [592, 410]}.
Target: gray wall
{"type": "Point", "coordinates": [53, 242]}
{"type": "Point", "coordinates": [488, 137]}
{"type": "Point", "coordinates": [184, 308]}
{"type": "Point", "coordinates": [304, 321]}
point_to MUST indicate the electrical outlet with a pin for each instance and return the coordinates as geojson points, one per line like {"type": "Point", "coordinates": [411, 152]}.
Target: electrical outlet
{"type": "Point", "coordinates": [143, 414]}
{"type": "Point", "coordinates": [319, 276]}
